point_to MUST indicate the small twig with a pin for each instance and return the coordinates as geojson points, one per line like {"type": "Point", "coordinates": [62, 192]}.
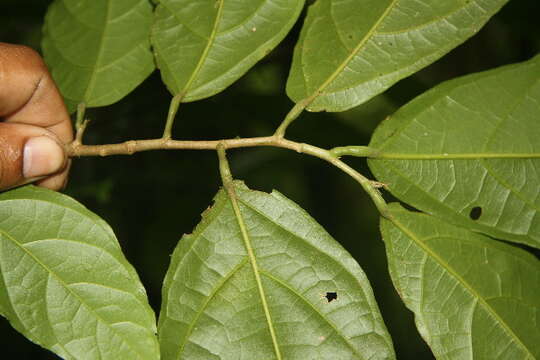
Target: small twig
{"type": "Point", "coordinates": [81, 109]}
{"type": "Point", "coordinates": [173, 109]}
{"type": "Point", "coordinates": [133, 146]}
{"type": "Point", "coordinates": [358, 151]}
{"type": "Point", "coordinates": [81, 128]}
{"type": "Point", "coordinates": [291, 116]}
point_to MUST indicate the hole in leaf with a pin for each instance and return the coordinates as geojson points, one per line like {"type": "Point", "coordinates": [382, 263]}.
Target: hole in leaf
{"type": "Point", "coordinates": [475, 213]}
{"type": "Point", "coordinates": [331, 296]}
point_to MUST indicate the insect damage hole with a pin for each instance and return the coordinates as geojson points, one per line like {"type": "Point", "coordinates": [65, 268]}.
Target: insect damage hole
{"type": "Point", "coordinates": [331, 296]}
{"type": "Point", "coordinates": [475, 213]}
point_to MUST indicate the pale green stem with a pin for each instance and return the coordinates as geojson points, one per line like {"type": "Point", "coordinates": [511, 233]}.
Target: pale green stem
{"type": "Point", "coordinates": [224, 168]}
{"type": "Point", "coordinates": [81, 109]}
{"type": "Point", "coordinates": [228, 183]}
{"type": "Point", "coordinates": [80, 124]}
{"type": "Point", "coordinates": [371, 187]}
{"type": "Point", "coordinates": [133, 146]}
{"type": "Point", "coordinates": [291, 116]}
{"type": "Point", "coordinates": [173, 109]}
{"type": "Point", "coordinates": [359, 151]}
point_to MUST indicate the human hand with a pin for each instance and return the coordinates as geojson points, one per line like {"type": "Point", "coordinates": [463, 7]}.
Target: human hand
{"type": "Point", "coordinates": [35, 123]}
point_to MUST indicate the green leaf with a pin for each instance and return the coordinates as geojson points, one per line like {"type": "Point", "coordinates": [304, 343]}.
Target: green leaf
{"type": "Point", "coordinates": [473, 297]}
{"type": "Point", "coordinates": [204, 46]}
{"type": "Point", "coordinates": [351, 50]}
{"type": "Point", "coordinates": [64, 282]}
{"type": "Point", "coordinates": [258, 290]}
{"type": "Point", "coordinates": [98, 50]}
{"type": "Point", "coordinates": [469, 151]}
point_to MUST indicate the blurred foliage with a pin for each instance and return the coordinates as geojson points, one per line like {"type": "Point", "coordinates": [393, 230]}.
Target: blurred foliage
{"type": "Point", "coordinates": [152, 198]}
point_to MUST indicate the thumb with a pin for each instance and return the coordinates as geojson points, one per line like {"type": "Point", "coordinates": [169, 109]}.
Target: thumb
{"type": "Point", "coordinates": [28, 153]}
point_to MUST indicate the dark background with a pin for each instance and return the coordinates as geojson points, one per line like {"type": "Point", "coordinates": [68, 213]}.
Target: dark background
{"type": "Point", "coordinates": [151, 199]}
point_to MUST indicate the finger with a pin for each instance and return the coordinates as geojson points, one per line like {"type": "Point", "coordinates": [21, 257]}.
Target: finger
{"type": "Point", "coordinates": [29, 153]}
{"type": "Point", "coordinates": [57, 181]}
{"type": "Point", "coordinates": [28, 94]}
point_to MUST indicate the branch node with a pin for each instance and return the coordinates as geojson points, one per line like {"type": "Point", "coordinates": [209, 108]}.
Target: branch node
{"type": "Point", "coordinates": [379, 185]}
{"type": "Point", "coordinates": [358, 151]}
{"type": "Point", "coordinates": [131, 146]}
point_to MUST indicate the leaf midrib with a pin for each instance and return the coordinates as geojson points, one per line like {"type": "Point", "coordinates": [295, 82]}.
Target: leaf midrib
{"type": "Point", "coordinates": [234, 69]}
{"type": "Point", "coordinates": [230, 187]}
{"type": "Point", "coordinates": [92, 81]}
{"type": "Point", "coordinates": [462, 281]}
{"type": "Point", "coordinates": [353, 53]}
{"type": "Point", "coordinates": [304, 241]}
{"type": "Point", "coordinates": [206, 50]}
{"type": "Point", "coordinates": [245, 203]}
{"type": "Point", "coordinates": [452, 156]}
{"type": "Point", "coordinates": [460, 156]}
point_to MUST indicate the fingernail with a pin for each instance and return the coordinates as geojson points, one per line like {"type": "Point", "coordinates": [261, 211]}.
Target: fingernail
{"type": "Point", "coordinates": [42, 156]}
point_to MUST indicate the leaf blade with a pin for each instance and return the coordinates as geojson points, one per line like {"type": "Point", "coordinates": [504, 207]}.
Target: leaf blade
{"type": "Point", "coordinates": [350, 51]}
{"type": "Point", "coordinates": [215, 252]}
{"type": "Point", "coordinates": [65, 283]}
{"type": "Point", "coordinates": [462, 287]}
{"type": "Point", "coordinates": [98, 51]}
{"type": "Point", "coordinates": [202, 48]}
{"type": "Point", "coordinates": [477, 150]}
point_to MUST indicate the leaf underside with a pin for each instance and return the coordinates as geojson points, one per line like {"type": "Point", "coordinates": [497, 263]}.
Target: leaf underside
{"type": "Point", "coordinates": [202, 47]}
{"type": "Point", "coordinates": [469, 151]}
{"type": "Point", "coordinates": [212, 306]}
{"type": "Point", "coordinates": [351, 50]}
{"type": "Point", "coordinates": [64, 282]}
{"type": "Point", "coordinates": [98, 51]}
{"type": "Point", "coordinates": [473, 297]}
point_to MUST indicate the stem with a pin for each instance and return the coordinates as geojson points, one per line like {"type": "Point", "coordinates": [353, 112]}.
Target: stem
{"type": "Point", "coordinates": [80, 132]}
{"type": "Point", "coordinates": [224, 169]}
{"type": "Point", "coordinates": [228, 183]}
{"type": "Point", "coordinates": [133, 146]}
{"type": "Point", "coordinates": [291, 116]}
{"type": "Point", "coordinates": [81, 109]}
{"type": "Point", "coordinates": [359, 151]}
{"type": "Point", "coordinates": [371, 187]}
{"type": "Point", "coordinates": [173, 109]}
{"type": "Point", "coordinates": [80, 123]}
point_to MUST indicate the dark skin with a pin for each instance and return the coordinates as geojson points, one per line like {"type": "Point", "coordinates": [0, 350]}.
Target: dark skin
{"type": "Point", "coordinates": [35, 123]}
